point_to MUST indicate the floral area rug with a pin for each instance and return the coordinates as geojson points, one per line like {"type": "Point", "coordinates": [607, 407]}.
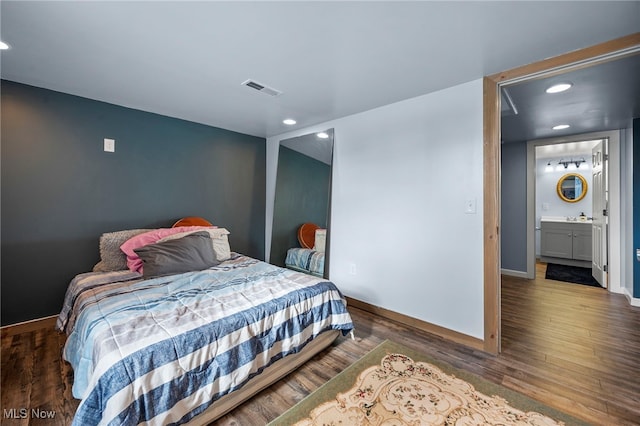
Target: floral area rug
{"type": "Point", "coordinates": [394, 386]}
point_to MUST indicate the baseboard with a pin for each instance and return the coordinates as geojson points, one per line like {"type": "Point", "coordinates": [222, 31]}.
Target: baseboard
{"type": "Point", "coordinates": [633, 301]}
{"type": "Point", "coordinates": [443, 332]}
{"type": "Point", "coordinates": [512, 273]}
{"type": "Point", "coordinates": [28, 326]}
{"type": "Point", "coordinates": [568, 262]}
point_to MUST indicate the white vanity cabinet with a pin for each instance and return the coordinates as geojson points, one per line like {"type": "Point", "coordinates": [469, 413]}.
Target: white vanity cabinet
{"type": "Point", "coordinates": [566, 243]}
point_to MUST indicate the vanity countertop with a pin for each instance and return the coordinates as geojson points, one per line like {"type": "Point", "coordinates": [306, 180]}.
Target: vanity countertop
{"type": "Point", "coordinates": [563, 219]}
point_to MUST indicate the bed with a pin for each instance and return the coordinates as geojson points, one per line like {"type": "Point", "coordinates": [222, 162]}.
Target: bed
{"type": "Point", "coordinates": [187, 347]}
{"type": "Point", "coordinates": [305, 260]}
{"type": "Point", "coordinates": [309, 257]}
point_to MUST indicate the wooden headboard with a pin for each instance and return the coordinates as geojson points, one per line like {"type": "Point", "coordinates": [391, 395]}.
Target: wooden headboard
{"type": "Point", "coordinates": [307, 235]}
{"type": "Point", "coordinates": [192, 221]}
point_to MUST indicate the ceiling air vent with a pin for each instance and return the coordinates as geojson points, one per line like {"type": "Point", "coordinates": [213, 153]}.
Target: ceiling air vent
{"type": "Point", "coordinates": [262, 88]}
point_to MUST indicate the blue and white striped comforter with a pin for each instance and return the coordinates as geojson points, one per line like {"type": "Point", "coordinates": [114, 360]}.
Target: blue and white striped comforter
{"type": "Point", "coordinates": [161, 351]}
{"type": "Point", "coordinates": [306, 259]}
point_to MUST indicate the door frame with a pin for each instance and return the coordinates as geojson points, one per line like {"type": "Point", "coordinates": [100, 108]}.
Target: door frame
{"type": "Point", "coordinates": [491, 156]}
{"type": "Point", "coordinates": [612, 138]}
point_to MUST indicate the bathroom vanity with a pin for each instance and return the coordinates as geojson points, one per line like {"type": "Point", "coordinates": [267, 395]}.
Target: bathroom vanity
{"type": "Point", "coordinates": [567, 242]}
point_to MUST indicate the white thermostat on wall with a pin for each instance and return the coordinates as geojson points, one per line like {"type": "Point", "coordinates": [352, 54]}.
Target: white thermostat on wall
{"type": "Point", "coordinates": [109, 145]}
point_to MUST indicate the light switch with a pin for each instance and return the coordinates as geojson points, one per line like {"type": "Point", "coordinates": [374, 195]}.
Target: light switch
{"type": "Point", "coordinates": [470, 206]}
{"type": "Point", "coordinates": [109, 145]}
{"type": "Point", "coordinates": [352, 269]}
{"type": "Point", "coordinates": [545, 206]}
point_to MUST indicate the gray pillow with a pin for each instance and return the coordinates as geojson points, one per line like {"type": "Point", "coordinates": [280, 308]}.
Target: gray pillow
{"type": "Point", "coordinates": [111, 257]}
{"type": "Point", "coordinates": [191, 253]}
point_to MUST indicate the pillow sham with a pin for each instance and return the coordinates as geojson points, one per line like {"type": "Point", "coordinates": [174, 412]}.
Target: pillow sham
{"type": "Point", "coordinates": [193, 252]}
{"type": "Point", "coordinates": [133, 260]}
{"type": "Point", "coordinates": [320, 240]}
{"type": "Point", "coordinates": [111, 257]}
{"type": "Point", "coordinates": [219, 241]}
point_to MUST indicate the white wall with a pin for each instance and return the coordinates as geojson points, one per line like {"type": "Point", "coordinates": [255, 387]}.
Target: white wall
{"type": "Point", "coordinates": [401, 176]}
{"type": "Point", "coordinates": [627, 254]}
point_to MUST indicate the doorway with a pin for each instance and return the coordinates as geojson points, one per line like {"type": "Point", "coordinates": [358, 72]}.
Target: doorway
{"type": "Point", "coordinates": [609, 234]}
{"type": "Point", "coordinates": [491, 155]}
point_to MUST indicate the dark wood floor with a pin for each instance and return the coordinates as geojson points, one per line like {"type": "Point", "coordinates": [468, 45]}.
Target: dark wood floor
{"type": "Point", "coordinates": [573, 347]}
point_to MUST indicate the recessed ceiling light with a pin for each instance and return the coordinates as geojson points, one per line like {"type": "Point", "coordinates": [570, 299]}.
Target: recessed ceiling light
{"type": "Point", "coordinates": [322, 135]}
{"type": "Point", "coordinates": [289, 121]}
{"type": "Point", "coordinates": [561, 126]}
{"type": "Point", "coordinates": [557, 88]}
{"type": "Point", "coordinates": [3, 45]}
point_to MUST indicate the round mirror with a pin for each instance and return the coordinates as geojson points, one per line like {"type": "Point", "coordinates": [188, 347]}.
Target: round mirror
{"type": "Point", "coordinates": [572, 187]}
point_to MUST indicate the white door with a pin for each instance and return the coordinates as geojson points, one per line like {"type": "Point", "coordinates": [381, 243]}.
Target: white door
{"type": "Point", "coordinates": [599, 226]}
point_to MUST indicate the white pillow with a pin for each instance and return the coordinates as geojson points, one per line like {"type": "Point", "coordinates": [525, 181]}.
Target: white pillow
{"type": "Point", "coordinates": [320, 241]}
{"type": "Point", "coordinates": [219, 240]}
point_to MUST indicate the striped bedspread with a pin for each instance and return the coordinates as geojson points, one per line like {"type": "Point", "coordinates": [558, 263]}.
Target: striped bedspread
{"type": "Point", "coordinates": [306, 259]}
{"type": "Point", "coordinates": [161, 351]}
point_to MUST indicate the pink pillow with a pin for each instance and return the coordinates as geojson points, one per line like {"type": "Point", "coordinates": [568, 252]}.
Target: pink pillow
{"type": "Point", "coordinates": [134, 262]}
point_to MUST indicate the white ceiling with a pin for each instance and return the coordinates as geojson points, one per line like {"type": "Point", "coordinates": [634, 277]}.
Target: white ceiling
{"type": "Point", "coordinates": [331, 59]}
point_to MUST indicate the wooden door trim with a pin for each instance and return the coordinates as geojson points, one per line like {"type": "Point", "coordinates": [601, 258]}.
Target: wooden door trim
{"type": "Point", "coordinates": [491, 154]}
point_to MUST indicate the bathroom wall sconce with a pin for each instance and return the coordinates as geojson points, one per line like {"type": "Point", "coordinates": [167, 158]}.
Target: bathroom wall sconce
{"type": "Point", "coordinates": [572, 164]}
{"type": "Point", "coordinates": [567, 165]}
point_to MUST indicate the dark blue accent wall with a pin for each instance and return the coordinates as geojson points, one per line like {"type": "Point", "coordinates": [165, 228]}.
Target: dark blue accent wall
{"type": "Point", "coordinates": [636, 206]}
{"type": "Point", "coordinates": [302, 196]}
{"type": "Point", "coordinates": [61, 191]}
{"type": "Point", "coordinates": [513, 215]}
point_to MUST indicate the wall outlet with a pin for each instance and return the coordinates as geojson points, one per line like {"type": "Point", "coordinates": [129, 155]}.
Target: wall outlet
{"type": "Point", "coordinates": [109, 145]}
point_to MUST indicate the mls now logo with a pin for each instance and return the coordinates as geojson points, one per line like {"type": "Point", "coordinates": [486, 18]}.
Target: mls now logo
{"type": "Point", "coordinates": [37, 413]}
{"type": "Point", "coordinates": [23, 413]}
{"type": "Point", "coordinates": [16, 413]}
